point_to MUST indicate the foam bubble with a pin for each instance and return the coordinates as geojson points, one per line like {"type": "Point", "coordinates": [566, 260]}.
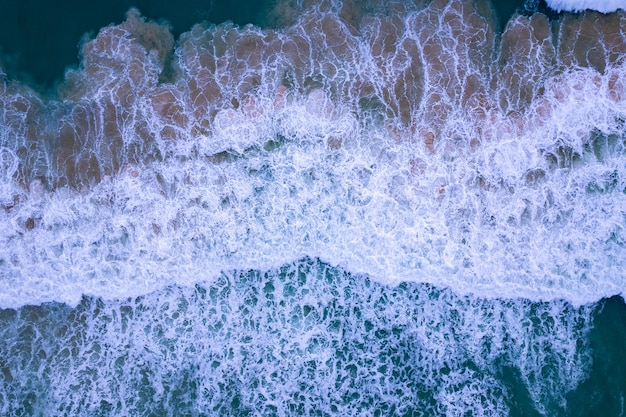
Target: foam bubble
{"type": "Point", "coordinates": [604, 6]}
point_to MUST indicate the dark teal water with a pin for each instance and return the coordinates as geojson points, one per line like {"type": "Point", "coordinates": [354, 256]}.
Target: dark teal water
{"type": "Point", "coordinates": [602, 394]}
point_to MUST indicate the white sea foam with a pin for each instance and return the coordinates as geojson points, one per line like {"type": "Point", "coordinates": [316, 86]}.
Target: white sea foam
{"type": "Point", "coordinates": [306, 339]}
{"type": "Point", "coordinates": [424, 162]}
{"type": "Point", "coordinates": [604, 6]}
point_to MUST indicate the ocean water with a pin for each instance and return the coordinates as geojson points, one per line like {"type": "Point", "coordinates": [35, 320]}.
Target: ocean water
{"type": "Point", "coordinates": [341, 208]}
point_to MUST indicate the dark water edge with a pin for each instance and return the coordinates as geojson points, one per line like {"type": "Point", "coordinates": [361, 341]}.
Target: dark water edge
{"type": "Point", "coordinates": [604, 392]}
{"type": "Point", "coordinates": [40, 39]}
{"type": "Point", "coordinates": [234, 347]}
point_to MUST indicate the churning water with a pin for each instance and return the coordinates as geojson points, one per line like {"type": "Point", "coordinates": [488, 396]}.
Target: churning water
{"type": "Point", "coordinates": [378, 209]}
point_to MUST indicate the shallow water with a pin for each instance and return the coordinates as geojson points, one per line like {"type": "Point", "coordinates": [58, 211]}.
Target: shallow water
{"type": "Point", "coordinates": [383, 209]}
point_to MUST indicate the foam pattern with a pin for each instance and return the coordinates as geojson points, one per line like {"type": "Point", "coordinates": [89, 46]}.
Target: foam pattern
{"type": "Point", "coordinates": [606, 6]}
{"type": "Point", "coordinates": [408, 142]}
{"type": "Point", "coordinates": [307, 339]}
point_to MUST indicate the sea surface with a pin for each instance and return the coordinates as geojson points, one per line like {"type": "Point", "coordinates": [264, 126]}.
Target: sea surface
{"type": "Point", "coordinates": [312, 208]}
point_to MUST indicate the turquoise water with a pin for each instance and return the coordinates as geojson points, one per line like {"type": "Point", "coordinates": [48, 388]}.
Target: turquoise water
{"type": "Point", "coordinates": [362, 209]}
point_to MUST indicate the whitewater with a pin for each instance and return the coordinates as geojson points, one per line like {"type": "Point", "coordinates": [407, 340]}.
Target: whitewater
{"type": "Point", "coordinates": [396, 198]}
